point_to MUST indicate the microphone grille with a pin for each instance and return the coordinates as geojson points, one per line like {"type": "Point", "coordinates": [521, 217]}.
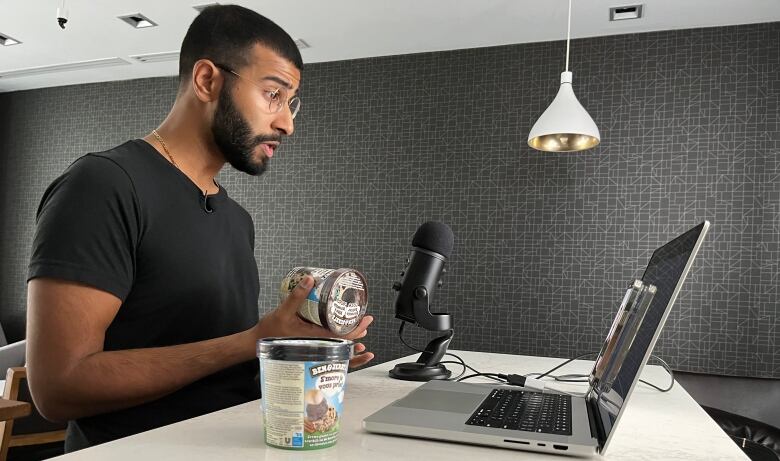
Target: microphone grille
{"type": "Point", "coordinates": [434, 236]}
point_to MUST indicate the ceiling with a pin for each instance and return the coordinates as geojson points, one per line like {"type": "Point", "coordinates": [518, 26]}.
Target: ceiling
{"type": "Point", "coordinates": [335, 29]}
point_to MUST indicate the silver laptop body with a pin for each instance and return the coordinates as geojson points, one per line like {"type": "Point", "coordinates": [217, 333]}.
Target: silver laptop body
{"type": "Point", "coordinates": [440, 409]}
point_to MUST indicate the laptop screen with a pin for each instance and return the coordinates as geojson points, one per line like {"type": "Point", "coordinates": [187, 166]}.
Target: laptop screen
{"type": "Point", "coordinates": [666, 270]}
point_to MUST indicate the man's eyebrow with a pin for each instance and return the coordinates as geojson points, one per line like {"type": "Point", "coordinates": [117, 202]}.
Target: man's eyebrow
{"type": "Point", "coordinates": [278, 80]}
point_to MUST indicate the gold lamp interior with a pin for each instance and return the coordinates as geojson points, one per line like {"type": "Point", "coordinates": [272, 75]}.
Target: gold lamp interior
{"type": "Point", "coordinates": [563, 142]}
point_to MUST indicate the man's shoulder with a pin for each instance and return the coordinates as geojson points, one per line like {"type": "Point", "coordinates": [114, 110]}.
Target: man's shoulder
{"type": "Point", "coordinates": [91, 181]}
{"type": "Point", "coordinates": [108, 172]}
{"type": "Point", "coordinates": [127, 164]}
{"type": "Point", "coordinates": [128, 155]}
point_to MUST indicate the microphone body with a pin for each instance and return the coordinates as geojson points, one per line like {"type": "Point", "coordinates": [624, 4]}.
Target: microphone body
{"type": "Point", "coordinates": [431, 247]}
{"type": "Point", "coordinates": [421, 276]}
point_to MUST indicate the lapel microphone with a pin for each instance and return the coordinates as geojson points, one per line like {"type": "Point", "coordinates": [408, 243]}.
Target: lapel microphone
{"type": "Point", "coordinates": [206, 206]}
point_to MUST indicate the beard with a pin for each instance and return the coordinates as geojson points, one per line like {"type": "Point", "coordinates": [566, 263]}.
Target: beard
{"type": "Point", "coordinates": [235, 139]}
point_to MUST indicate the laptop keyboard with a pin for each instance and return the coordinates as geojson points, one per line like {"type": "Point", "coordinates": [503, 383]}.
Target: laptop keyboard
{"type": "Point", "coordinates": [524, 411]}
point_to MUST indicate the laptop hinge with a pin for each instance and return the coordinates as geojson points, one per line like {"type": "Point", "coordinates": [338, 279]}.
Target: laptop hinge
{"type": "Point", "coordinates": [594, 419]}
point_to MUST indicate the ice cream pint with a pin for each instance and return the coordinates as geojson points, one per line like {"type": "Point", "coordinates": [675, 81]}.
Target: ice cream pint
{"type": "Point", "coordinates": [337, 301]}
{"type": "Point", "coordinates": [302, 381]}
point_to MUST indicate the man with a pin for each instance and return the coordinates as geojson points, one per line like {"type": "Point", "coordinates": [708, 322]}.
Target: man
{"type": "Point", "coordinates": [143, 287]}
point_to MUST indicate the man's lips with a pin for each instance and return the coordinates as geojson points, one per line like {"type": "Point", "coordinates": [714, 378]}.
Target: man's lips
{"type": "Point", "coordinates": [269, 148]}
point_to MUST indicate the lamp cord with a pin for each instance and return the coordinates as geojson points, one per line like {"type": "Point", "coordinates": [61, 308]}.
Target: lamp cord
{"type": "Point", "coordinates": [568, 37]}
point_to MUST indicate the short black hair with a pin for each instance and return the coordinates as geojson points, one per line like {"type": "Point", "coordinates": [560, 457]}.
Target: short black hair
{"type": "Point", "coordinates": [225, 34]}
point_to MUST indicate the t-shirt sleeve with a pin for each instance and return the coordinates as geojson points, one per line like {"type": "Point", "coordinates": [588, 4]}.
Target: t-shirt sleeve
{"type": "Point", "coordinates": [87, 227]}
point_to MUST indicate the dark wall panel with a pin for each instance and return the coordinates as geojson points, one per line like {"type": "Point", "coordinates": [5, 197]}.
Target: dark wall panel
{"type": "Point", "coordinates": [545, 243]}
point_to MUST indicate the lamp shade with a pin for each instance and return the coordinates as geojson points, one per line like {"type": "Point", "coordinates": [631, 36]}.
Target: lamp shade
{"type": "Point", "coordinates": [565, 126]}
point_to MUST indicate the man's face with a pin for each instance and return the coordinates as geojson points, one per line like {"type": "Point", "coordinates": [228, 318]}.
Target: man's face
{"type": "Point", "coordinates": [245, 129]}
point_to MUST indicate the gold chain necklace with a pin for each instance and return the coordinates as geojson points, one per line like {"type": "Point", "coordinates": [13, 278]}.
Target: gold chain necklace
{"type": "Point", "coordinates": [165, 147]}
{"type": "Point", "coordinates": [167, 152]}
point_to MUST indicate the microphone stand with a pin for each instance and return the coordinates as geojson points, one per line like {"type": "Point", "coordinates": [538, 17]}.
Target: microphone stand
{"type": "Point", "coordinates": [427, 366]}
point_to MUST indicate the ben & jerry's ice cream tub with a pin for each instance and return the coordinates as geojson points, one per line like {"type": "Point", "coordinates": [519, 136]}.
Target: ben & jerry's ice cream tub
{"type": "Point", "coordinates": [302, 382]}
{"type": "Point", "coordinates": [337, 301]}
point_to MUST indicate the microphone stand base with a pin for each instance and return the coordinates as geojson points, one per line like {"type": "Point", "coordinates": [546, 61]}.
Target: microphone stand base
{"type": "Point", "coordinates": [415, 371]}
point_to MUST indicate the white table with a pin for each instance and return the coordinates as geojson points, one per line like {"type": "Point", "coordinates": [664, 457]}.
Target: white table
{"type": "Point", "coordinates": [656, 426]}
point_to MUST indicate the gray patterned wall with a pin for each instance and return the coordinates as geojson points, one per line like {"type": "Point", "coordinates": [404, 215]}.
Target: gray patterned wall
{"type": "Point", "coordinates": [545, 243]}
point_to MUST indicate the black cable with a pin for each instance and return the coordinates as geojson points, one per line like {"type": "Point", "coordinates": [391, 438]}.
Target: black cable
{"type": "Point", "coordinates": [577, 378]}
{"type": "Point", "coordinates": [456, 363]}
{"type": "Point", "coordinates": [460, 361]}
{"type": "Point", "coordinates": [477, 372]}
{"type": "Point", "coordinates": [572, 378]}
{"type": "Point", "coordinates": [495, 376]}
{"type": "Point", "coordinates": [401, 335]}
{"type": "Point", "coordinates": [668, 370]}
{"type": "Point", "coordinates": [559, 366]}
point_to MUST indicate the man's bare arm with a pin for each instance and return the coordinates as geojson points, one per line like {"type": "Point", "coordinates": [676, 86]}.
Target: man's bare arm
{"type": "Point", "coordinates": [71, 376]}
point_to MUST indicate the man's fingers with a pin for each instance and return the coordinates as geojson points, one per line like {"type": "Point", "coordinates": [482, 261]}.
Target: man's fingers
{"type": "Point", "coordinates": [301, 327]}
{"type": "Point", "coordinates": [360, 331]}
{"type": "Point", "coordinates": [298, 294]}
{"type": "Point", "coordinates": [360, 360]}
{"type": "Point", "coordinates": [313, 331]}
{"type": "Point", "coordinates": [361, 356]}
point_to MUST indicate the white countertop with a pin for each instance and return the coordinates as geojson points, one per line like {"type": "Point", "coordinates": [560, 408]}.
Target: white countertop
{"type": "Point", "coordinates": [656, 426]}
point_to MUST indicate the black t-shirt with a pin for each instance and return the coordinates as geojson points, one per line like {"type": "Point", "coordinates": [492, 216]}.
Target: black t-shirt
{"type": "Point", "coordinates": [128, 222]}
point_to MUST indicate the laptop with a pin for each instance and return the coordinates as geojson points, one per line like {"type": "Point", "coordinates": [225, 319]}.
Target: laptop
{"type": "Point", "coordinates": [549, 421]}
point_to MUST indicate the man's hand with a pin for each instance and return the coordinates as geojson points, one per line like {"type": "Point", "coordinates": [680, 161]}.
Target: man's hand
{"type": "Point", "coordinates": [285, 321]}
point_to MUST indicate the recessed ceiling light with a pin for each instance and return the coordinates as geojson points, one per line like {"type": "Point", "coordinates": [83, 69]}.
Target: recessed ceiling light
{"type": "Point", "coordinates": [619, 13]}
{"type": "Point", "coordinates": [8, 41]}
{"type": "Point", "coordinates": [301, 43]}
{"type": "Point", "coordinates": [200, 8]}
{"type": "Point", "coordinates": [156, 57]}
{"type": "Point", "coordinates": [138, 21]}
{"type": "Point", "coordinates": [68, 66]}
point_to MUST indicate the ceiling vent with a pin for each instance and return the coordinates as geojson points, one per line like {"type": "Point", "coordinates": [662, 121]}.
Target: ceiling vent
{"type": "Point", "coordinates": [156, 57]}
{"type": "Point", "coordinates": [138, 21]}
{"type": "Point", "coordinates": [620, 13]}
{"type": "Point", "coordinates": [80, 65]}
{"type": "Point", "coordinates": [8, 41]}
{"type": "Point", "coordinates": [301, 43]}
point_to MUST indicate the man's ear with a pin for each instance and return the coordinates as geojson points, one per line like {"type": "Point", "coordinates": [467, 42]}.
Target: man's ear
{"type": "Point", "coordinates": [206, 80]}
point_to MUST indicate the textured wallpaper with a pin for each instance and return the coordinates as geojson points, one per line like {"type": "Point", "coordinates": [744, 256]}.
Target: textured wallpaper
{"type": "Point", "coordinates": [545, 244]}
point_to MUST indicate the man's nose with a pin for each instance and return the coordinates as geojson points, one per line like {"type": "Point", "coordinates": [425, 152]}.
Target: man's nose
{"type": "Point", "coordinates": [283, 122]}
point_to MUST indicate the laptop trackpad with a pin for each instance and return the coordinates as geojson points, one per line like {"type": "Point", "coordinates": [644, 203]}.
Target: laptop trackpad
{"type": "Point", "coordinates": [455, 402]}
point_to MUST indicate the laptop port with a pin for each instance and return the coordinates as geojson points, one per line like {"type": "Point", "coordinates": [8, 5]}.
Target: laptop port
{"type": "Point", "coordinates": [560, 447]}
{"type": "Point", "coordinates": [517, 441]}
{"type": "Point", "coordinates": [541, 444]}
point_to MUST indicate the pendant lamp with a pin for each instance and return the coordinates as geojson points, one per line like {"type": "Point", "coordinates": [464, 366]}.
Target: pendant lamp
{"type": "Point", "coordinates": [565, 126]}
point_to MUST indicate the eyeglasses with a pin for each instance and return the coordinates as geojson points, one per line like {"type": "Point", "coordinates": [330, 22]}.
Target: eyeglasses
{"type": "Point", "coordinates": [276, 97]}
